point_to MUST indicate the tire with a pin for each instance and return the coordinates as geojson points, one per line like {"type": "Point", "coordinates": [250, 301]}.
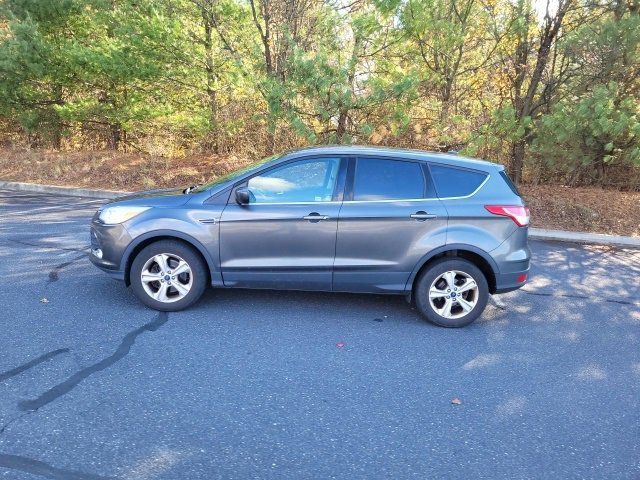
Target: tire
{"type": "Point", "coordinates": [181, 290]}
{"type": "Point", "coordinates": [435, 278]}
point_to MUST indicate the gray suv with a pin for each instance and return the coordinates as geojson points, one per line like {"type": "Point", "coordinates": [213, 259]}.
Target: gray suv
{"type": "Point", "coordinates": [443, 230]}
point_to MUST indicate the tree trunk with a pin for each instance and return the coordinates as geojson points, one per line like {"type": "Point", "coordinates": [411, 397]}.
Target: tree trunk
{"type": "Point", "coordinates": [342, 125]}
{"type": "Point", "coordinates": [115, 135]}
{"type": "Point", "coordinates": [56, 124]}
{"type": "Point", "coordinates": [601, 167]}
{"type": "Point", "coordinates": [600, 170]}
{"type": "Point", "coordinates": [213, 120]}
{"type": "Point", "coordinates": [56, 136]}
{"type": "Point", "coordinates": [271, 136]}
{"type": "Point", "coordinates": [517, 160]}
{"type": "Point", "coordinates": [211, 84]}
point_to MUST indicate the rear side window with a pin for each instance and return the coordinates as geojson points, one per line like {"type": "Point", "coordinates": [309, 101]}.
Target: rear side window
{"type": "Point", "coordinates": [455, 182]}
{"type": "Point", "coordinates": [509, 183]}
{"type": "Point", "coordinates": [385, 179]}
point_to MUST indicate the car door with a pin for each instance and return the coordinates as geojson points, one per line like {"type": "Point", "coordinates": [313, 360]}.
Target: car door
{"type": "Point", "coordinates": [285, 237]}
{"type": "Point", "coordinates": [390, 219]}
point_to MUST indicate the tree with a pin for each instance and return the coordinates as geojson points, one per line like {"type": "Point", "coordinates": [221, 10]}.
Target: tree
{"type": "Point", "coordinates": [527, 65]}
{"type": "Point", "coordinates": [114, 58]}
{"type": "Point", "coordinates": [333, 92]}
{"type": "Point", "coordinates": [596, 124]}
{"type": "Point", "coordinates": [35, 76]}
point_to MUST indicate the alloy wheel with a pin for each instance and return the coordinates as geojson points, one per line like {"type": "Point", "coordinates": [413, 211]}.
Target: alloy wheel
{"type": "Point", "coordinates": [453, 294]}
{"type": "Point", "coordinates": [166, 277]}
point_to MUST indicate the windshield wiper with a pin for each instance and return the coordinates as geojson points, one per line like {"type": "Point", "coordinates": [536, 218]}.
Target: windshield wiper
{"type": "Point", "coordinates": [190, 189]}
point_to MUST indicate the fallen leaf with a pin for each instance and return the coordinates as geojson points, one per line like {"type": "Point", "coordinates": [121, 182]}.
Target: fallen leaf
{"type": "Point", "coordinates": [340, 344]}
{"type": "Point", "coordinates": [44, 300]}
{"type": "Point", "coordinates": [456, 401]}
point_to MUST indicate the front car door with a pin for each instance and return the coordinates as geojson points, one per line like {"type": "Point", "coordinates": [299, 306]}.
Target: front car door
{"type": "Point", "coordinates": [390, 218]}
{"type": "Point", "coordinates": [286, 236]}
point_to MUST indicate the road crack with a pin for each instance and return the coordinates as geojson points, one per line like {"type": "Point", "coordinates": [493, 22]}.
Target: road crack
{"type": "Point", "coordinates": [581, 297]}
{"type": "Point", "coordinates": [48, 247]}
{"type": "Point", "coordinates": [32, 363]}
{"type": "Point", "coordinates": [74, 380]}
{"type": "Point", "coordinates": [37, 467]}
{"type": "Point", "coordinates": [54, 274]}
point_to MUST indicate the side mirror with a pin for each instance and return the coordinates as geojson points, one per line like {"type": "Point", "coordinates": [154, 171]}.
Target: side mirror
{"type": "Point", "coordinates": [243, 196]}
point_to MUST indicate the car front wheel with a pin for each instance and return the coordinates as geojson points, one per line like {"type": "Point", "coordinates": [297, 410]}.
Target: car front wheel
{"type": "Point", "coordinates": [168, 275]}
{"type": "Point", "coordinates": [451, 292]}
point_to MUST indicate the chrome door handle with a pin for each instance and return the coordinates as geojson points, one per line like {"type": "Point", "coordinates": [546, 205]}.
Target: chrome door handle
{"type": "Point", "coordinates": [421, 215]}
{"type": "Point", "coordinates": [315, 217]}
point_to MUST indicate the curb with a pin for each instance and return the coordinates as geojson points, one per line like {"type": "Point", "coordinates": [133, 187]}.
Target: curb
{"type": "Point", "coordinates": [534, 233]}
{"type": "Point", "coordinates": [580, 237]}
{"type": "Point", "coordinates": [69, 191]}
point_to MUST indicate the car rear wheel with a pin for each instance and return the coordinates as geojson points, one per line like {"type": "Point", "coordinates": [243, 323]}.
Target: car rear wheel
{"type": "Point", "coordinates": [451, 292]}
{"type": "Point", "coordinates": [168, 275]}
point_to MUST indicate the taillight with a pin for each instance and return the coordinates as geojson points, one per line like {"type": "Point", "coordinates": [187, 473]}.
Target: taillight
{"type": "Point", "coordinates": [519, 214]}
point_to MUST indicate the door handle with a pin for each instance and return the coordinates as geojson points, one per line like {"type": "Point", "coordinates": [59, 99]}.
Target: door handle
{"type": "Point", "coordinates": [422, 215]}
{"type": "Point", "coordinates": [315, 217]}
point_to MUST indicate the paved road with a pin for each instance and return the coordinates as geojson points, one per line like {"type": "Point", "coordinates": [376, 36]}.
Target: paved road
{"type": "Point", "coordinates": [251, 384]}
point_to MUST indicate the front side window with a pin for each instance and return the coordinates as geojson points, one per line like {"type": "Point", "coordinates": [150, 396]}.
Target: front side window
{"type": "Point", "coordinates": [312, 180]}
{"type": "Point", "coordinates": [455, 182]}
{"type": "Point", "coordinates": [385, 179]}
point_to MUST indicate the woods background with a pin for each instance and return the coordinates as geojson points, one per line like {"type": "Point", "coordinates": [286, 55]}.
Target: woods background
{"type": "Point", "coordinates": [550, 89]}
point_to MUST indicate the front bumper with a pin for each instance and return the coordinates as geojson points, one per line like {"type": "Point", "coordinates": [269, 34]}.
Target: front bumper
{"type": "Point", "coordinates": [108, 244]}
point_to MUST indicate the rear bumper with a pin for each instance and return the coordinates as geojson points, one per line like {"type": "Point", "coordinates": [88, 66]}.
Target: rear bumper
{"type": "Point", "coordinates": [513, 259]}
{"type": "Point", "coordinates": [507, 282]}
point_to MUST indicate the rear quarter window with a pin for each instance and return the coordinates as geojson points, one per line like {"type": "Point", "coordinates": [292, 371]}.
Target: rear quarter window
{"type": "Point", "coordinates": [455, 182]}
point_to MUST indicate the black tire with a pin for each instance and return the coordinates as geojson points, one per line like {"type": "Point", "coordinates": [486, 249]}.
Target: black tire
{"type": "Point", "coordinates": [435, 270]}
{"type": "Point", "coordinates": [198, 273]}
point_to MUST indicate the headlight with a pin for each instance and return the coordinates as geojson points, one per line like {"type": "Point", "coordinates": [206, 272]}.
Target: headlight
{"type": "Point", "coordinates": [120, 213]}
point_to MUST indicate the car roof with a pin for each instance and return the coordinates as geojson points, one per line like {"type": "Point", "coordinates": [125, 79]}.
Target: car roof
{"type": "Point", "coordinates": [448, 158]}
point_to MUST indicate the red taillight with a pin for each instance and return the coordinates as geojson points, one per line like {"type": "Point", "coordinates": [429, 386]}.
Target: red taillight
{"type": "Point", "coordinates": [519, 214]}
{"type": "Point", "coordinates": [522, 278]}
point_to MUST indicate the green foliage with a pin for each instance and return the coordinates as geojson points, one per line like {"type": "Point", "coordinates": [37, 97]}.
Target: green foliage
{"type": "Point", "coordinates": [601, 127]}
{"type": "Point", "coordinates": [502, 130]}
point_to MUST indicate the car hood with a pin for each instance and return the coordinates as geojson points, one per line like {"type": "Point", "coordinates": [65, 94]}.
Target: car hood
{"type": "Point", "coordinates": [167, 197]}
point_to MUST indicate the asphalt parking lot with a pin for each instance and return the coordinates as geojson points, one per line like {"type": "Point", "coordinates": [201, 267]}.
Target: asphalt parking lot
{"type": "Point", "coordinates": [261, 384]}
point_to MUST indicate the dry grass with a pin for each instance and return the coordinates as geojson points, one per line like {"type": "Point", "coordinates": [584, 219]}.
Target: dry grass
{"type": "Point", "coordinates": [552, 206]}
{"type": "Point", "coordinates": [584, 209]}
{"type": "Point", "coordinates": [112, 170]}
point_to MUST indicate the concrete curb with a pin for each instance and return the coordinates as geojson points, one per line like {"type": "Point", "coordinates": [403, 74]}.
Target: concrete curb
{"type": "Point", "coordinates": [534, 233]}
{"type": "Point", "coordinates": [69, 191]}
{"type": "Point", "coordinates": [580, 237]}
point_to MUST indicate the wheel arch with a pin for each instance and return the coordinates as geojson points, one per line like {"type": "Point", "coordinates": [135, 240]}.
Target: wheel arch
{"type": "Point", "coordinates": [151, 237]}
{"type": "Point", "coordinates": [475, 255]}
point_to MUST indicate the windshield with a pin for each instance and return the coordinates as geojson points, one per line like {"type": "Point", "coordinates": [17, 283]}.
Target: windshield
{"type": "Point", "coordinates": [234, 174]}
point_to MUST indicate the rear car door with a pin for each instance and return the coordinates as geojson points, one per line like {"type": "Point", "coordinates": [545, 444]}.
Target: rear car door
{"type": "Point", "coordinates": [286, 236]}
{"type": "Point", "coordinates": [390, 218]}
